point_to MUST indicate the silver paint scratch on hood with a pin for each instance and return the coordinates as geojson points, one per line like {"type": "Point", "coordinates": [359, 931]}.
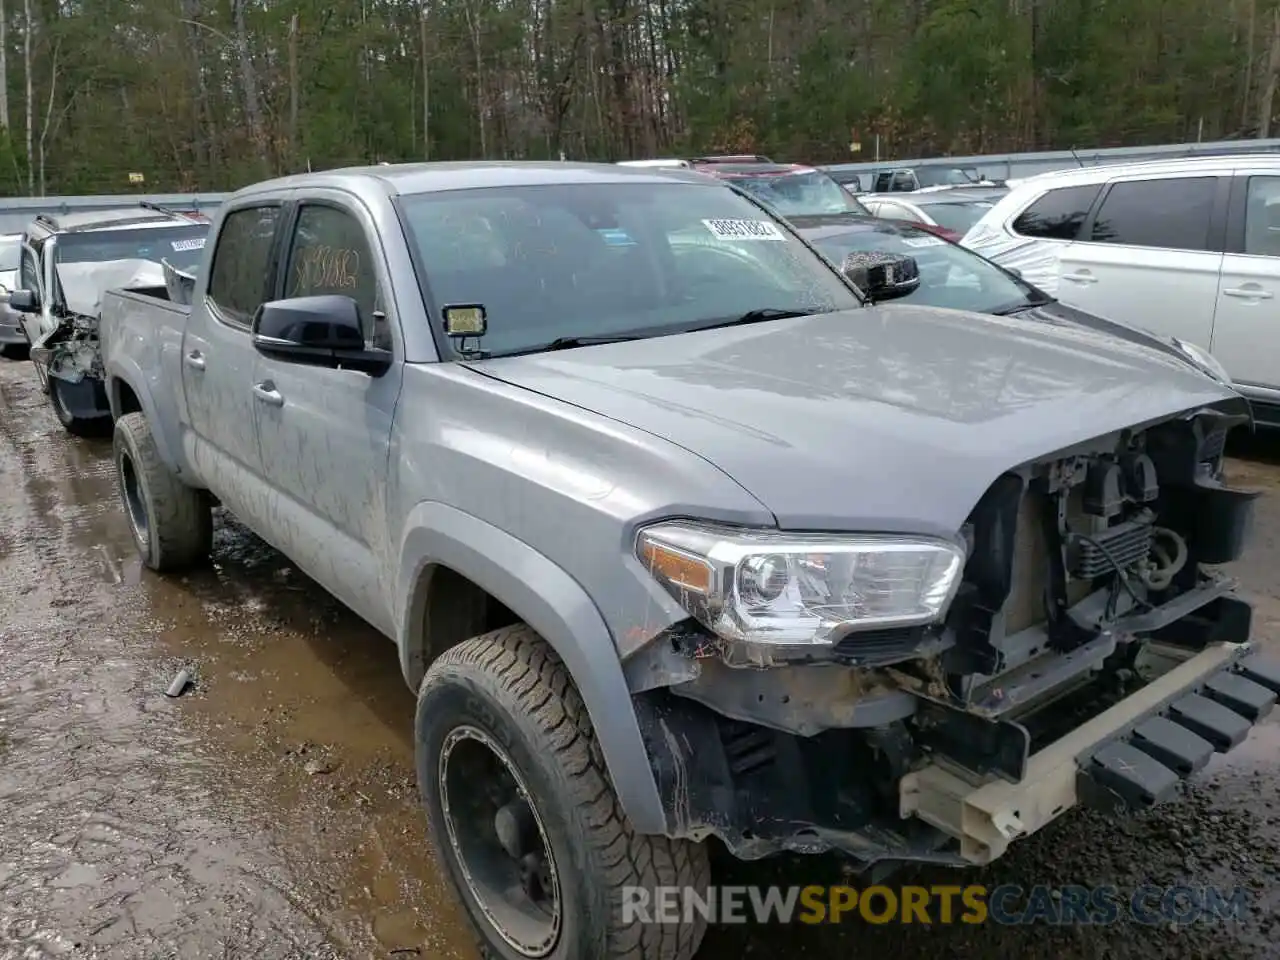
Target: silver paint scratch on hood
{"type": "Point", "coordinates": [890, 418]}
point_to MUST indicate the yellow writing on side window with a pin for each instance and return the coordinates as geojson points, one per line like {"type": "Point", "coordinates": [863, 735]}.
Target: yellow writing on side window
{"type": "Point", "coordinates": [327, 268]}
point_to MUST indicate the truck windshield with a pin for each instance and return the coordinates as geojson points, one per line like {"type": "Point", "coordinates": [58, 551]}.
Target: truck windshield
{"type": "Point", "coordinates": [800, 194]}
{"type": "Point", "coordinates": [950, 275]}
{"type": "Point", "coordinates": [584, 260]}
{"type": "Point", "coordinates": [181, 244]}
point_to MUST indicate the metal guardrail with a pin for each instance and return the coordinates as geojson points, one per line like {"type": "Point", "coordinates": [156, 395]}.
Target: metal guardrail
{"type": "Point", "coordinates": [1003, 166]}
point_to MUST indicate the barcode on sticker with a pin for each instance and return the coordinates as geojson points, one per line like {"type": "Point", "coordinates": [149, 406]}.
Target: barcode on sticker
{"type": "Point", "coordinates": [194, 244]}
{"type": "Point", "coordinates": [744, 229]}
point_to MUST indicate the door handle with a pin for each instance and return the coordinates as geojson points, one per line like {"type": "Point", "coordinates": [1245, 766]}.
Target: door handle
{"type": "Point", "coordinates": [267, 393]}
{"type": "Point", "coordinates": [1250, 291]}
{"type": "Point", "coordinates": [195, 360]}
{"type": "Point", "coordinates": [1081, 277]}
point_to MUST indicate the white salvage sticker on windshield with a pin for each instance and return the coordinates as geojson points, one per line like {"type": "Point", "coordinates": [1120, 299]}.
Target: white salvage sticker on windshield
{"type": "Point", "coordinates": [194, 244]}
{"type": "Point", "coordinates": [744, 229]}
{"type": "Point", "coordinates": [924, 242]}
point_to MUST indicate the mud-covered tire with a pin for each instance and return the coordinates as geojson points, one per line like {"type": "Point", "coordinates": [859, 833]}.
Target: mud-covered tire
{"type": "Point", "coordinates": [172, 523]}
{"type": "Point", "coordinates": [512, 686]}
{"type": "Point", "coordinates": [78, 426]}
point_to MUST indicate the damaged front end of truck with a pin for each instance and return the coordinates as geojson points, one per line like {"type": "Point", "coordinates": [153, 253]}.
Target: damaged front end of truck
{"type": "Point", "coordinates": [1077, 644]}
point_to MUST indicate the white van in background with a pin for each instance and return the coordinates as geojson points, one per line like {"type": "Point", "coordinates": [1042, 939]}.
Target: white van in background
{"type": "Point", "coordinates": [1188, 248]}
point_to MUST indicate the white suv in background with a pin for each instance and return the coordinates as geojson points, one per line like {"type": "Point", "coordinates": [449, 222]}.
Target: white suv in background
{"type": "Point", "coordinates": [1187, 248]}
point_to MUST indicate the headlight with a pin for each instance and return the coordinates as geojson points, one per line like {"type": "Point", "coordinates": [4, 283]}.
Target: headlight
{"type": "Point", "coordinates": [764, 586]}
{"type": "Point", "coordinates": [1204, 360]}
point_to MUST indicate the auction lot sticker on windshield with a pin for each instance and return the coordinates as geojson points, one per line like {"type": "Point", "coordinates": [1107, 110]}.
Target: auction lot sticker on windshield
{"type": "Point", "coordinates": [744, 229]}
{"type": "Point", "coordinates": [924, 242]}
{"type": "Point", "coordinates": [196, 243]}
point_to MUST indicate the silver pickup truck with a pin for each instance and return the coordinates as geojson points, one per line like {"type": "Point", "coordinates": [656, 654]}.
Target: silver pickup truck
{"type": "Point", "coordinates": [680, 534]}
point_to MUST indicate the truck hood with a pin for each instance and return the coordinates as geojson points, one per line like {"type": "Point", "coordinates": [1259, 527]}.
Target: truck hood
{"type": "Point", "coordinates": [889, 418]}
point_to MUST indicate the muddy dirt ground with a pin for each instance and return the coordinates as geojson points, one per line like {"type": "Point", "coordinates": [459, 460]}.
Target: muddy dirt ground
{"type": "Point", "coordinates": [271, 811]}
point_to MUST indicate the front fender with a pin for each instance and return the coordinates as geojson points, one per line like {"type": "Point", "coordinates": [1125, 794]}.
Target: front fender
{"type": "Point", "coordinates": [552, 603]}
{"type": "Point", "coordinates": [123, 371]}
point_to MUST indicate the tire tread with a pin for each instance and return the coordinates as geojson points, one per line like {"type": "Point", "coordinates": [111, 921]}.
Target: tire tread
{"type": "Point", "coordinates": [180, 516]}
{"type": "Point", "coordinates": [528, 667]}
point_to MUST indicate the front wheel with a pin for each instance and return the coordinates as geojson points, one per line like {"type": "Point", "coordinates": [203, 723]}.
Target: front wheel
{"type": "Point", "coordinates": [172, 523]}
{"type": "Point", "coordinates": [524, 816]}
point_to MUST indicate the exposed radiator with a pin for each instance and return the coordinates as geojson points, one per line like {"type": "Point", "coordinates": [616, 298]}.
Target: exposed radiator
{"type": "Point", "coordinates": [1127, 542]}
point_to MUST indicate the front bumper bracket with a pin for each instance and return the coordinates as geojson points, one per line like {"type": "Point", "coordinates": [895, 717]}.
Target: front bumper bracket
{"type": "Point", "coordinates": [1133, 755]}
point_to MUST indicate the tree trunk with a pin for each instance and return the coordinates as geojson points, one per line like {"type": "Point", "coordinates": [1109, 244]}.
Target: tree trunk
{"type": "Point", "coordinates": [249, 83]}
{"type": "Point", "coordinates": [26, 61]}
{"type": "Point", "coordinates": [4, 65]}
{"type": "Point", "coordinates": [426, 91]}
{"type": "Point", "coordinates": [1252, 9]}
{"type": "Point", "coordinates": [48, 114]}
{"type": "Point", "coordinates": [1267, 104]}
{"type": "Point", "coordinates": [293, 91]}
{"type": "Point", "coordinates": [473, 25]}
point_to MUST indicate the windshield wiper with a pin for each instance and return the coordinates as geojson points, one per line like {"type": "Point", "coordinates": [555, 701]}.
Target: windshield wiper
{"type": "Point", "coordinates": [754, 316]}
{"type": "Point", "coordinates": [568, 343]}
{"type": "Point", "coordinates": [1026, 304]}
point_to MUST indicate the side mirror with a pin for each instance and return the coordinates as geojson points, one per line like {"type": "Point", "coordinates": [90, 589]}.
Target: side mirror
{"type": "Point", "coordinates": [322, 331]}
{"type": "Point", "coordinates": [882, 276]}
{"type": "Point", "coordinates": [24, 301]}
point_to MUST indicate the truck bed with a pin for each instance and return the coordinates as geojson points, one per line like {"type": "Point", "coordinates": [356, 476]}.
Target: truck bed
{"type": "Point", "coordinates": [141, 329]}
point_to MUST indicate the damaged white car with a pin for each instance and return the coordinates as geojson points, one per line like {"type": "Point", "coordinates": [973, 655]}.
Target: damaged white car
{"type": "Point", "coordinates": [67, 262]}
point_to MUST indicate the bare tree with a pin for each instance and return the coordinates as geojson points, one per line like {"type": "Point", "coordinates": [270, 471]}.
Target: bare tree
{"type": "Point", "coordinates": [1266, 105]}
{"type": "Point", "coordinates": [26, 62]}
{"type": "Point", "coordinates": [249, 83]}
{"type": "Point", "coordinates": [4, 65]}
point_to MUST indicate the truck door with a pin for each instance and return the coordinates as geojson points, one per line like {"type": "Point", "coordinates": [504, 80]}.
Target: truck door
{"type": "Point", "coordinates": [218, 358]}
{"type": "Point", "coordinates": [325, 434]}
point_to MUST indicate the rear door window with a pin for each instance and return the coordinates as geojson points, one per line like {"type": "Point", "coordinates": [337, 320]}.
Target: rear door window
{"type": "Point", "coordinates": [1262, 217]}
{"type": "Point", "coordinates": [1171, 214]}
{"type": "Point", "coordinates": [1059, 214]}
{"type": "Point", "coordinates": [238, 282]}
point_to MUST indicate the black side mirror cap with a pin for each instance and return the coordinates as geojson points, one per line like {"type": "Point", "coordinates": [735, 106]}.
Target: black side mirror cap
{"type": "Point", "coordinates": [882, 276]}
{"type": "Point", "coordinates": [23, 301]}
{"type": "Point", "coordinates": [323, 331]}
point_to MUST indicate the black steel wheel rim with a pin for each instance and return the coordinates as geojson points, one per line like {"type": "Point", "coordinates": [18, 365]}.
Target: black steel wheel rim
{"type": "Point", "coordinates": [499, 841]}
{"type": "Point", "coordinates": [131, 489]}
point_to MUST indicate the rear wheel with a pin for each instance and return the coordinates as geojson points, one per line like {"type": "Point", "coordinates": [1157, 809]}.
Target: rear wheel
{"type": "Point", "coordinates": [524, 817]}
{"type": "Point", "coordinates": [80, 426]}
{"type": "Point", "coordinates": [172, 523]}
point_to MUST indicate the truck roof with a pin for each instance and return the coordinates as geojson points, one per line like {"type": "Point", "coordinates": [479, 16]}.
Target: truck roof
{"type": "Point", "coordinates": [411, 178]}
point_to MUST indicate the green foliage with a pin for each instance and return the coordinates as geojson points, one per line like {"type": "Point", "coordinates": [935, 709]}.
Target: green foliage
{"type": "Point", "coordinates": [201, 94]}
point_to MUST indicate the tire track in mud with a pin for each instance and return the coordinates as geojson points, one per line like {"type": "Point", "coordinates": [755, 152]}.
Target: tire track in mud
{"type": "Point", "coordinates": [111, 842]}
